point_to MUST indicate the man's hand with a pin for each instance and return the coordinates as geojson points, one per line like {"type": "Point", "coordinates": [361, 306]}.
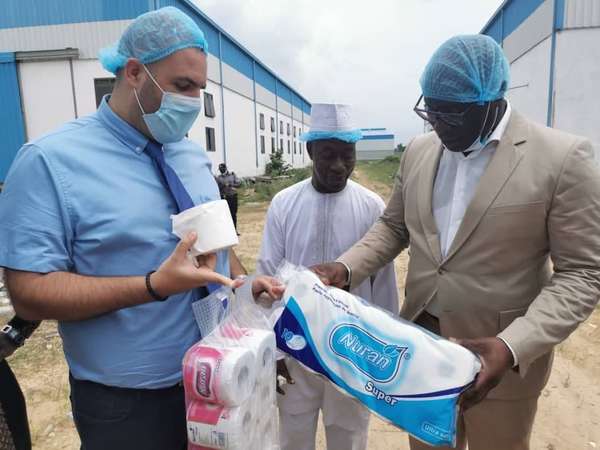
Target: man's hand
{"type": "Point", "coordinates": [282, 371]}
{"type": "Point", "coordinates": [267, 285]}
{"type": "Point", "coordinates": [332, 274]}
{"type": "Point", "coordinates": [263, 285]}
{"type": "Point", "coordinates": [496, 360]}
{"type": "Point", "coordinates": [179, 273]}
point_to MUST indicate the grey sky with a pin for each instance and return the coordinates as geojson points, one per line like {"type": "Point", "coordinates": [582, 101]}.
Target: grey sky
{"type": "Point", "coordinates": [367, 54]}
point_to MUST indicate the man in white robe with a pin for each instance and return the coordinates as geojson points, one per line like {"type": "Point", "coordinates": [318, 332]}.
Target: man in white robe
{"type": "Point", "coordinates": [309, 223]}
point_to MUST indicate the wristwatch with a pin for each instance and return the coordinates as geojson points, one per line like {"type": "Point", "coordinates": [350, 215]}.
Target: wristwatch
{"type": "Point", "coordinates": [14, 335]}
{"type": "Point", "coordinates": [349, 276]}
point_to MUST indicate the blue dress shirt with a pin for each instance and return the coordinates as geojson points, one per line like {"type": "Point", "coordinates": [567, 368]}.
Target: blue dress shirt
{"type": "Point", "coordinates": [87, 199]}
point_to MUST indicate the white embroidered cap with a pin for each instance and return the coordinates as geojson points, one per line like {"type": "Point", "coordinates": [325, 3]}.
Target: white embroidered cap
{"type": "Point", "coordinates": [331, 121]}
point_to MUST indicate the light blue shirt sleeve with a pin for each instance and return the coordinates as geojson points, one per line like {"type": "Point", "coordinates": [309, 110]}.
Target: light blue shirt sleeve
{"type": "Point", "coordinates": [35, 232]}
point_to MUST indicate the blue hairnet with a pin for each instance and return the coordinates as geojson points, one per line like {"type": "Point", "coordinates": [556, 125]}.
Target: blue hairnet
{"type": "Point", "coordinates": [153, 36]}
{"type": "Point", "coordinates": [466, 69]}
{"type": "Point", "coordinates": [347, 136]}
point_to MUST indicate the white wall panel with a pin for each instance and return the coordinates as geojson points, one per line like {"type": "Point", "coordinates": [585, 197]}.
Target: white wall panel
{"type": "Point", "coordinates": [372, 145]}
{"type": "Point", "coordinates": [300, 157]}
{"type": "Point", "coordinates": [198, 131]}
{"type": "Point", "coordinates": [533, 30]}
{"type": "Point", "coordinates": [530, 74]}
{"type": "Point", "coordinates": [88, 37]}
{"type": "Point", "coordinates": [577, 78]}
{"type": "Point", "coordinates": [373, 155]}
{"type": "Point", "coordinates": [237, 81]}
{"type": "Point", "coordinates": [240, 134]}
{"type": "Point", "coordinates": [84, 73]}
{"type": "Point", "coordinates": [582, 13]}
{"type": "Point", "coordinates": [263, 159]}
{"type": "Point", "coordinates": [213, 71]}
{"type": "Point", "coordinates": [296, 113]}
{"type": "Point", "coordinates": [265, 97]}
{"type": "Point", "coordinates": [47, 96]}
{"type": "Point", "coordinates": [284, 107]}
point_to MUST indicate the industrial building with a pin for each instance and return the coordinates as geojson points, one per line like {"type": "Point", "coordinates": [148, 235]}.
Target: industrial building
{"type": "Point", "coordinates": [50, 74]}
{"type": "Point", "coordinates": [377, 143]}
{"type": "Point", "coordinates": [552, 47]}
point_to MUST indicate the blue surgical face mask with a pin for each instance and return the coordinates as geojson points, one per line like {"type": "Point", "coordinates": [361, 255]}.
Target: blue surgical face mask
{"type": "Point", "coordinates": [175, 116]}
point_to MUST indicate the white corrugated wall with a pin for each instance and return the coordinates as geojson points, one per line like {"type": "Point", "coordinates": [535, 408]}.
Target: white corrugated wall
{"type": "Point", "coordinates": [582, 13]}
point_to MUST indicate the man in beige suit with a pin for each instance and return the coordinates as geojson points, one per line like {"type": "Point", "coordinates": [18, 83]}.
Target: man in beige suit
{"type": "Point", "coordinates": [502, 218]}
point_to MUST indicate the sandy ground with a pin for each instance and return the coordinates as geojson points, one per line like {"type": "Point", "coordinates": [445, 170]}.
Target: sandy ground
{"type": "Point", "coordinates": [569, 409]}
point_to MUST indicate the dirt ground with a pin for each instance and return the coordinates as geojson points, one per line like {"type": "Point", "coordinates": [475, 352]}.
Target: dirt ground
{"type": "Point", "coordinates": [569, 408]}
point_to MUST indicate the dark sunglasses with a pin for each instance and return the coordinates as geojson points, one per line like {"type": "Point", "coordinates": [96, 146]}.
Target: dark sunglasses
{"type": "Point", "coordinates": [450, 119]}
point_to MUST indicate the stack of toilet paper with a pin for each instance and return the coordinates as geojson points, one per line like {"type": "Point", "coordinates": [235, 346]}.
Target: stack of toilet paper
{"type": "Point", "coordinates": [229, 381]}
{"type": "Point", "coordinates": [401, 372]}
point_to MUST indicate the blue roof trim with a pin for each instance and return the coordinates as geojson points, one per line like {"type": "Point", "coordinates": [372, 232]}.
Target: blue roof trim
{"type": "Point", "coordinates": [509, 16]}
{"type": "Point", "coordinates": [284, 92]}
{"type": "Point", "coordinates": [199, 12]}
{"type": "Point", "coordinates": [296, 101]}
{"type": "Point", "coordinates": [31, 13]}
{"type": "Point", "coordinates": [237, 58]}
{"type": "Point", "coordinates": [263, 77]}
{"type": "Point", "coordinates": [378, 137]}
{"type": "Point", "coordinates": [495, 29]}
{"type": "Point", "coordinates": [208, 27]}
{"type": "Point", "coordinates": [559, 17]}
{"type": "Point", "coordinates": [373, 129]}
{"type": "Point", "coordinates": [7, 57]}
{"type": "Point", "coordinates": [307, 108]}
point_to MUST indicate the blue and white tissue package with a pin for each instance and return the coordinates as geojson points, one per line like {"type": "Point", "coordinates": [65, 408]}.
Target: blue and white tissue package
{"type": "Point", "coordinates": [401, 372]}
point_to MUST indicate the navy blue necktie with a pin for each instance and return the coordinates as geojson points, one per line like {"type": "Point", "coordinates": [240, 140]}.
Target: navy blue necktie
{"type": "Point", "coordinates": [169, 177]}
{"type": "Point", "coordinates": [176, 188]}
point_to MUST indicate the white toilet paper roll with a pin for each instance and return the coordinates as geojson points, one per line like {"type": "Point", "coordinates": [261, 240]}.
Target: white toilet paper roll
{"type": "Point", "coordinates": [225, 376]}
{"type": "Point", "coordinates": [260, 342]}
{"type": "Point", "coordinates": [268, 429]}
{"type": "Point", "coordinates": [213, 224]}
{"type": "Point", "coordinates": [216, 426]}
{"type": "Point", "coordinates": [265, 391]}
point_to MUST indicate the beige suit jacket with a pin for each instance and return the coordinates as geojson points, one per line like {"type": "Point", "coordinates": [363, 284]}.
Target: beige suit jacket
{"type": "Point", "coordinates": [525, 262]}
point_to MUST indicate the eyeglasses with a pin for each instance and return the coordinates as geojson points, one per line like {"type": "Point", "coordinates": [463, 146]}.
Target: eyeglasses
{"type": "Point", "coordinates": [450, 119]}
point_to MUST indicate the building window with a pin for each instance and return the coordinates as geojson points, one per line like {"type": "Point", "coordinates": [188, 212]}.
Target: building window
{"type": "Point", "coordinates": [288, 129]}
{"type": "Point", "coordinates": [281, 144]}
{"type": "Point", "coordinates": [281, 127]}
{"type": "Point", "coordinates": [300, 149]}
{"type": "Point", "coordinates": [273, 124]}
{"type": "Point", "coordinates": [209, 105]}
{"type": "Point", "coordinates": [262, 144]}
{"type": "Point", "coordinates": [103, 86]}
{"type": "Point", "coordinates": [294, 131]}
{"type": "Point", "coordinates": [262, 121]}
{"type": "Point", "coordinates": [272, 145]}
{"type": "Point", "coordinates": [289, 147]}
{"type": "Point", "coordinates": [210, 140]}
{"type": "Point", "coordinates": [294, 147]}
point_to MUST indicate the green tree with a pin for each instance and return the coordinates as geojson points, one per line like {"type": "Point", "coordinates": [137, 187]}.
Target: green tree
{"type": "Point", "coordinates": [277, 165]}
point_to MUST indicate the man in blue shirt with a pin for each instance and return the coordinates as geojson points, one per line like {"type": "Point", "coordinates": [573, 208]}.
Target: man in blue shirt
{"type": "Point", "coordinates": [86, 237]}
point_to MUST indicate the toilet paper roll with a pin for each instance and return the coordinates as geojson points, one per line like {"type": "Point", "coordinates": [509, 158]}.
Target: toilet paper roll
{"type": "Point", "coordinates": [261, 342]}
{"type": "Point", "coordinates": [220, 427]}
{"type": "Point", "coordinates": [213, 224]}
{"type": "Point", "coordinates": [268, 429]}
{"type": "Point", "coordinates": [219, 375]}
{"type": "Point", "coordinates": [265, 391]}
